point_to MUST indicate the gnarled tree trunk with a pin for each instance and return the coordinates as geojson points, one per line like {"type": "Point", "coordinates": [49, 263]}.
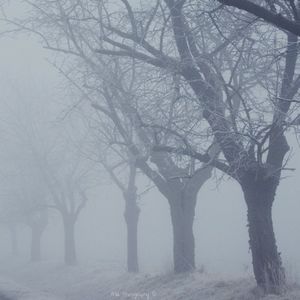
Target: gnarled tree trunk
{"type": "Point", "coordinates": [181, 189]}
{"type": "Point", "coordinates": [268, 270]}
{"type": "Point", "coordinates": [182, 215]}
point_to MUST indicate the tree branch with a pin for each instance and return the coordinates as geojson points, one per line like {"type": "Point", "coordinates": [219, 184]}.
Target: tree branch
{"type": "Point", "coordinates": [276, 19]}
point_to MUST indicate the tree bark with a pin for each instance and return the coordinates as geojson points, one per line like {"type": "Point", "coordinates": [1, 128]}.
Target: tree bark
{"type": "Point", "coordinates": [36, 235]}
{"type": "Point", "coordinates": [182, 215]}
{"type": "Point", "coordinates": [267, 265]}
{"type": "Point", "coordinates": [131, 215]}
{"type": "Point", "coordinates": [69, 240]}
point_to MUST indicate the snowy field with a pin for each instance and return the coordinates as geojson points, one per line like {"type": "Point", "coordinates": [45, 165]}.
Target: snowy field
{"type": "Point", "coordinates": [51, 281]}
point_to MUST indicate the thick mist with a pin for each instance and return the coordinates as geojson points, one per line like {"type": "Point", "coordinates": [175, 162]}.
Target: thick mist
{"type": "Point", "coordinates": [220, 222]}
{"type": "Point", "coordinates": [60, 155]}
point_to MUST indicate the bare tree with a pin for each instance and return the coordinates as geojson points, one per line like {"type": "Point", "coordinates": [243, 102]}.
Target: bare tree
{"type": "Point", "coordinates": [50, 169]}
{"type": "Point", "coordinates": [178, 182]}
{"type": "Point", "coordinates": [68, 184]}
{"type": "Point", "coordinates": [132, 210]}
{"type": "Point", "coordinates": [24, 204]}
{"type": "Point", "coordinates": [23, 196]}
{"type": "Point", "coordinates": [38, 223]}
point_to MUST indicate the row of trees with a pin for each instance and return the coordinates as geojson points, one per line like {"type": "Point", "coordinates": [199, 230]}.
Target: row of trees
{"type": "Point", "coordinates": [174, 89]}
{"type": "Point", "coordinates": [43, 172]}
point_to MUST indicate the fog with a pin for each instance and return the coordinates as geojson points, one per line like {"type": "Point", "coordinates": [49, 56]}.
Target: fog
{"type": "Point", "coordinates": [44, 116]}
{"type": "Point", "coordinates": [220, 221]}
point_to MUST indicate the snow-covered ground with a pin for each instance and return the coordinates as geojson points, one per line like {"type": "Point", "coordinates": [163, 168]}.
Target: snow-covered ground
{"type": "Point", "coordinates": [51, 281]}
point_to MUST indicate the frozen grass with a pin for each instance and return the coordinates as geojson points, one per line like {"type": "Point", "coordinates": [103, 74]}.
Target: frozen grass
{"type": "Point", "coordinates": [50, 281]}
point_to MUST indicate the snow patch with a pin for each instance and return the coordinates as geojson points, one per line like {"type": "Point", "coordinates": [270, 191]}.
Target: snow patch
{"type": "Point", "coordinates": [48, 281]}
{"type": "Point", "coordinates": [12, 291]}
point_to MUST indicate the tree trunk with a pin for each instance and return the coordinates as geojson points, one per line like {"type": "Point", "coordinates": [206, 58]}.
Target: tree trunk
{"type": "Point", "coordinates": [14, 240]}
{"type": "Point", "coordinates": [38, 223]}
{"type": "Point", "coordinates": [36, 234]}
{"type": "Point", "coordinates": [69, 238]}
{"type": "Point", "coordinates": [267, 265]}
{"type": "Point", "coordinates": [131, 215]}
{"type": "Point", "coordinates": [182, 214]}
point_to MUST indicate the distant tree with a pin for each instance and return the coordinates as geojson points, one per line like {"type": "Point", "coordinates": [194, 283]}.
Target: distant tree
{"type": "Point", "coordinates": [16, 211]}
{"type": "Point", "coordinates": [132, 211]}
{"type": "Point", "coordinates": [9, 218]}
{"type": "Point", "coordinates": [24, 202]}
{"type": "Point", "coordinates": [66, 174]}
{"type": "Point", "coordinates": [38, 222]}
{"type": "Point", "coordinates": [48, 170]}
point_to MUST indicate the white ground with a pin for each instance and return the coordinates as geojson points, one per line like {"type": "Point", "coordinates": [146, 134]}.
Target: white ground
{"type": "Point", "coordinates": [51, 281]}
